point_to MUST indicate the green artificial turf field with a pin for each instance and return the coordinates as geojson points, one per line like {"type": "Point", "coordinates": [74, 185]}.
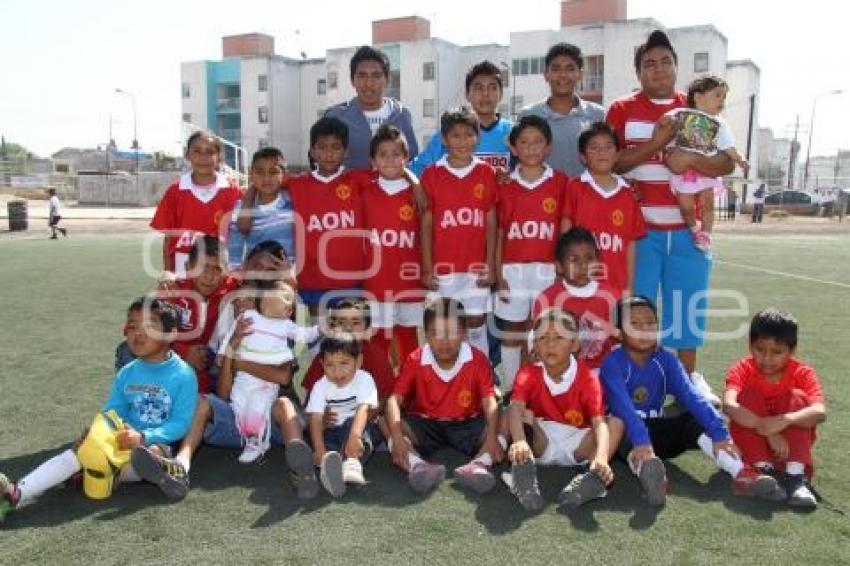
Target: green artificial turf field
{"type": "Point", "coordinates": [63, 303]}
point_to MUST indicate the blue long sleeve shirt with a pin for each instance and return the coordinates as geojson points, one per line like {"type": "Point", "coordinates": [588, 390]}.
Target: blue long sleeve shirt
{"type": "Point", "coordinates": [492, 147]}
{"type": "Point", "coordinates": [157, 400]}
{"type": "Point", "coordinates": [634, 393]}
{"type": "Point", "coordinates": [274, 221]}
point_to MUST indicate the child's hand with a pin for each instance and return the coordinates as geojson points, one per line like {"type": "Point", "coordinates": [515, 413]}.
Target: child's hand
{"type": "Point", "coordinates": [129, 438]}
{"type": "Point", "coordinates": [743, 164]}
{"type": "Point", "coordinates": [400, 452]}
{"type": "Point", "coordinates": [503, 176]}
{"type": "Point", "coordinates": [243, 329]}
{"type": "Point", "coordinates": [779, 446]}
{"type": "Point", "coordinates": [640, 454]}
{"type": "Point", "coordinates": [520, 452]}
{"type": "Point", "coordinates": [196, 356]}
{"type": "Point", "coordinates": [491, 447]}
{"type": "Point", "coordinates": [167, 281]}
{"type": "Point", "coordinates": [485, 277]}
{"type": "Point", "coordinates": [603, 470]}
{"type": "Point", "coordinates": [354, 447]}
{"type": "Point", "coordinates": [768, 426]}
{"type": "Point", "coordinates": [664, 131]}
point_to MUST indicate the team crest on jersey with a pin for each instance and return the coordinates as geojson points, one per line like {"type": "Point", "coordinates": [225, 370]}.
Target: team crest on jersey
{"type": "Point", "coordinates": [464, 398]}
{"type": "Point", "coordinates": [640, 395]}
{"type": "Point", "coordinates": [478, 191]}
{"type": "Point", "coordinates": [343, 192]}
{"type": "Point", "coordinates": [549, 205]}
{"type": "Point", "coordinates": [617, 217]}
{"type": "Point", "coordinates": [574, 418]}
{"type": "Point", "coordinates": [406, 212]}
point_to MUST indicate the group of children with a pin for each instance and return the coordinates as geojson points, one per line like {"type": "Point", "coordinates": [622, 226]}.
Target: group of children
{"type": "Point", "coordinates": [375, 256]}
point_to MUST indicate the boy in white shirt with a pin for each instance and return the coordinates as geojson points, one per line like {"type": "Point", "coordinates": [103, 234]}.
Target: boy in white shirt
{"type": "Point", "coordinates": [54, 214]}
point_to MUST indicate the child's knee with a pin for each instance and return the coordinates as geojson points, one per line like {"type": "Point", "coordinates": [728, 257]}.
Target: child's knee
{"type": "Point", "coordinates": [283, 409]}
{"type": "Point", "coordinates": [795, 400]}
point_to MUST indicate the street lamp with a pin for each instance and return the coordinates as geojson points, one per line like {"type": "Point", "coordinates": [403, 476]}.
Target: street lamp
{"type": "Point", "coordinates": [811, 127]}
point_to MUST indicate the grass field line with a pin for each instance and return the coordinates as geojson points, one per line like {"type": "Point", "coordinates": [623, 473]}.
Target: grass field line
{"type": "Point", "coordinates": [785, 274]}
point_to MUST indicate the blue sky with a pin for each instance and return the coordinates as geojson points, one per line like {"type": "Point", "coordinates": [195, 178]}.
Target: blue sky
{"type": "Point", "coordinates": [61, 61]}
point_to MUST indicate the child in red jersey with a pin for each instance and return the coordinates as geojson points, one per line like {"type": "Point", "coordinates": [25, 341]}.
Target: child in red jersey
{"type": "Point", "coordinates": [459, 225]}
{"type": "Point", "coordinates": [775, 402]}
{"type": "Point", "coordinates": [557, 417]}
{"type": "Point", "coordinates": [446, 391]}
{"type": "Point", "coordinates": [529, 216]}
{"type": "Point", "coordinates": [329, 235]}
{"type": "Point", "coordinates": [393, 250]}
{"type": "Point", "coordinates": [577, 291]}
{"type": "Point", "coordinates": [199, 203]}
{"type": "Point", "coordinates": [602, 202]}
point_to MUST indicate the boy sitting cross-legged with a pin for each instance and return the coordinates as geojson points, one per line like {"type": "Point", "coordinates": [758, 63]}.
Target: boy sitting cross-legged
{"type": "Point", "coordinates": [446, 390]}
{"type": "Point", "coordinates": [557, 417]}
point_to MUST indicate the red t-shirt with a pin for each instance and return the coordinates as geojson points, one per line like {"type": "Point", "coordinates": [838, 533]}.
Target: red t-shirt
{"type": "Point", "coordinates": [455, 395]}
{"type": "Point", "coordinates": [375, 362]}
{"type": "Point", "coordinates": [197, 318]}
{"type": "Point", "coordinates": [186, 211]}
{"type": "Point", "coordinates": [392, 221]}
{"type": "Point", "coordinates": [633, 118]}
{"type": "Point", "coordinates": [575, 401]}
{"type": "Point", "coordinates": [614, 218]}
{"type": "Point", "coordinates": [746, 374]}
{"type": "Point", "coordinates": [459, 205]}
{"type": "Point", "coordinates": [593, 306]}
{"type": "Point", "coordinates": [322, 207]}
{"type": "Point", "coordinates": [530, 217]}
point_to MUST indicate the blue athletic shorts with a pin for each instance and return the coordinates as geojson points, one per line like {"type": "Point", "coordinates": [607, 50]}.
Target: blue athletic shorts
{"type": "Point", "coordinates": [669, 260]}
{"type": "Point", "coordinates": [222, 431]}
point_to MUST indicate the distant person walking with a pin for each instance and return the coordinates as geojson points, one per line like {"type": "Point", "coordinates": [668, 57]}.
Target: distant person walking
{"type": "Point", "coordinates": [758, 203]}
{"type": "Point", "coordinates": [731, 204]}
{"type": "Point", "coordinates": [54, 215]}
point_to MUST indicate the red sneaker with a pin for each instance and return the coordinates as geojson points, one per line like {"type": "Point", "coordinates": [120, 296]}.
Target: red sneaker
{"type": "Point", "coordinates": [751, 483]}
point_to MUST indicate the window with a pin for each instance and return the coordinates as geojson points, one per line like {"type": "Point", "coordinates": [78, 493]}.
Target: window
{"type": "Point", "coordinates": [332, 79]}
{"type": "Point", "coordinates": [262, 83]}
{"type": "Point", "coordinates": [186, 90]}
{"type": "Point", "coordinates": [187, 117]}
{"type": "Point", "coordinates": [263, 114]}
{"type": "Point", "coordinates": [535, 66]}
{"type": "Point", "coordinates": [594, 71]}
{"type": "Point", "coordinates": [523, 66]}
{"type": "Point", "coordinates": [65, 168]}
{"type": "Point", "coordinates": [516, 104]}
{"type": "Point", "coordinates": [428, 108]}
{"type": "Point", "coordinates": [506, 75]}
{"type": "Point", "coordinates": [429, 71]}
{"type": "Point", "coordinates": [321, 86]}
{"type": "Point", "coordinates": [515, 67]}
{"type": "Point", "coordinates": [701, 62]}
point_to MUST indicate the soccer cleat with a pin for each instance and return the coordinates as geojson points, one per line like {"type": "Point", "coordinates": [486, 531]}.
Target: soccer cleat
{"type": "Point", "coordinates": [424, 476]}
{"type": "Point", "coordinates": [581, 489]}
{"type": "Point", "coordinates": [475, 476]}
{"type": "Point", "coordinates": [352, 472]}
{"type": "Point", "coordinates": [800, 492]}
{"type": "Point", "coordinates": [299, 458]}
{"type": "Point", "coordinates": [751, 483]}
{"type": "Point", "coordinates": [252, 452]}
{"type": "Point", "coordinates": [704, 389]}
{"type": "Point", "coordinates": [653, 479]}
{"type": "Point", "coordinates": [165, 473]}
{"type": "Point", "coordinates": [330, 474]}
{"type": "Point", "coordinates": [522, 481]}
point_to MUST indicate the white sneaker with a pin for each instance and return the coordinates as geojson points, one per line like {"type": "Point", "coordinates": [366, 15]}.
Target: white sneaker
{"type": "Point", "coordinates": [252, 451]}
{"type": "Point", "coordinates": [704, 389]}
{"type": "Point", "coordinates": [352, 472]}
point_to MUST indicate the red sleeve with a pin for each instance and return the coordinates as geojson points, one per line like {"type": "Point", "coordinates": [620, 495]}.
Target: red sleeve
{"type": "Point", "coordinates": [314, 374]}
{"type": "Point", "coordinates": [617, 119]}
{"type": "Point", "coordinates": [571, 199]}
{"type": "Point", "coordinates": [807, 380]}
{"type": "Point", "coordinates": [738, 376]}
{"type": "Point", "coordinates": [404, 383]}
{"type": "Point", "coordinates": [592, 404]}
{"type": "Point", "coordinates": [522, 384]}
{"type": "Point", "coordinates": [484, 377]}
{"type": "Point", "coordinates": [165, 217]}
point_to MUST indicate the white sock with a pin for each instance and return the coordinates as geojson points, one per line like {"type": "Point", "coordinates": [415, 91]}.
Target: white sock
{"type": "Point", "coordinates": [763, 465]}
{"type": "Point", "coordinates": [503, 442]}
{"type": "Point", "coordinates": [185, 461]}
{"type": "Point", "coordinates": [484, 458]}
{"type": "Point", "coordinates": [478, 338]}
{"type": "Point", "coordinates": [727, 462]}
{"type": "Point", "coordinates": [511, 359]}
{"type": "Point", "coordinates": [129, 474]}
{"type": "Point", "coordinates": [49, 474]}
{"type": "Point", "coordinates": [795, 468]}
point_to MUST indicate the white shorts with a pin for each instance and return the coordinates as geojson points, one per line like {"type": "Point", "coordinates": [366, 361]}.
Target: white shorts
{"type": "Point", "coordinates": [464, 288]}
{"type": "Point", "coordinates": [563, 441]}
{"type": "Point", "coordinates": [526, 282]}
{"type": "Point", "coordinates": [387, 315]}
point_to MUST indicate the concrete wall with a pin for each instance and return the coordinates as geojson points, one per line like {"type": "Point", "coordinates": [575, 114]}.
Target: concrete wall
{"type": "Point", "coordinates": [123, 190]}
{"type": "Point", "coordinates": [251, 100]}
{"type": "Point", "coordinates": [744, 83]}
{"type": "Point", "coordinates": [195, 75]}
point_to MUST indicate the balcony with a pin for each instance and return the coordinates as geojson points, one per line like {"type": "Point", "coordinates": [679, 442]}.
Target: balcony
{"type": "Point", "coordinates": [230, 105]}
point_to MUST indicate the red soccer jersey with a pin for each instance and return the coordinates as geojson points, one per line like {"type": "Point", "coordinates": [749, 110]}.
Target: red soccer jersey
{"type": "Point", "coordinates": [187, 211]}
{"type": "Point", "coordinates": [746, 374]}
{"type": "Point", "coordinates": [197, 318]}
{"type": "Point", "coordinates": [529, 216]}
{"type": "Point", "coordinates": [613, 217]}
{"type": "Point", "coordinates": [324, 207]}
{"type": "Point", "coordinates": [375, 362]}
{"type": "Point", "coordinates": [593, 306]}
{"type": "Point", "coordinates": [633, 117]}
{"type": "Point", "coordinates": [393, 248]}
{"type": "Point", "coordinates": [459, 202]}
{"type": "Point", "coordinates": [576, 400]}
{"type": "Point", "coordinates": [453, 395]}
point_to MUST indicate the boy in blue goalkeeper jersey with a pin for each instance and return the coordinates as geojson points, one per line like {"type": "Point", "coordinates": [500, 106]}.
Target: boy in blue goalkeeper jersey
{"type": "Point", "coordinates": [484, 92]}
{"type": "Point", "coordinates": [637, 378]}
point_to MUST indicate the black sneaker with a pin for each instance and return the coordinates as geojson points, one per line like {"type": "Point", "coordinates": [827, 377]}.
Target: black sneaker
{"type": "Point", "coordinates": [167, 474]}
{"type": "Point", "coordinates": [800, 493]}
{"type": "Point", "coordinates": [299, 458]}
{"type": "Point", "coordinates": [581, 489]}
{"type": "Point", "coordinates": [522, 481]}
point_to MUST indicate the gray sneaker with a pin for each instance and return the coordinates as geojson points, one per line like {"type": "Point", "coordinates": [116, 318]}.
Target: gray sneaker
{"type": "Point", "coordinates": [522, 481]}
{"type": "Point", "coordinates": [581, 489]}
{"type": "Point", "coordinates": [475, 476]}
{"type": "Point", "coordinates": [167, 474]}
{"type": "Point", "coordinates": [299, 458]}
{"type": "Point", "coordinates": [425, 476]}
{"type": "Point", "coordinates": [653, 479]}
{"type": "Point", "coordinates": [330, 474]}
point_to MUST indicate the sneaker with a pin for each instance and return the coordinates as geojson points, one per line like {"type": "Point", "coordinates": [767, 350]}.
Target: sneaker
{"type": "Point", "coordinates": [522, 481]}
{"type": "Point", "coordinates": [752, 483]}
{"type": "Point", "coordinates": [299, 458]}
{"type": "Point", "coordinates": [352, 472]}
{"type": "Point", "coordinates": [252, 452]}
{"type": "Point", "coordinates": [583, 488]}
{"type": "Point", "coordinates": [475, 476]}
{"type": "Point", "coordinates": [704, 389]}
{"type": "Point", "coordinates": [702, 241]}
{"type": "Point", "coordinates": [653, 479]}
{"type": "Point", "coordinates": [167, 474]}
{"type": "Point", "coordinates": [9, 496]}
{"type": "Point", "coordinates": [54, 237]}
{"type": "Point", "coordinates": [424, 476]}
{"type": "Point", "coordinates": [330, 474]}
{"type": "Point", "coordinates": [800, 492]}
